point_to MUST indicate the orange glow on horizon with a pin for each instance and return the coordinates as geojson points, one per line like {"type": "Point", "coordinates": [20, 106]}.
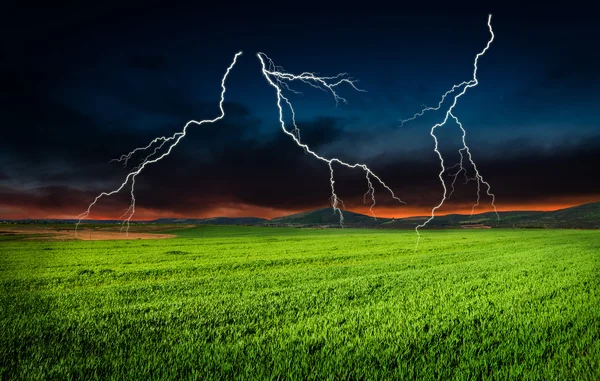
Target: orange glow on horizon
{"type": "Point", "coordinates": [419, 212]}
{"type": "Point", "coordinates": [244, 210]}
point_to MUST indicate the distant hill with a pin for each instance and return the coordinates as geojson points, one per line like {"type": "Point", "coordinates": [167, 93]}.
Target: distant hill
{"type": "Point", "coordinates": [585, 216]}
{"type": "Point", "coordinates": [326, 216]}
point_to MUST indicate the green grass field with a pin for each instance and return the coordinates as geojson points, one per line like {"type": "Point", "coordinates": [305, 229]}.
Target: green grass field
{"type": "Point", "coordinates": [281, 303]}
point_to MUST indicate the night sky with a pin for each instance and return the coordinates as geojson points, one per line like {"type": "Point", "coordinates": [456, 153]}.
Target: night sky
{"type": "Point", "coordinates": [81, 85]}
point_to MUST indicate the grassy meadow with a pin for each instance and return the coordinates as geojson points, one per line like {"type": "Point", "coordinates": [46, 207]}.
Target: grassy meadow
{"type": "Point", "coordinates": [283, 303]}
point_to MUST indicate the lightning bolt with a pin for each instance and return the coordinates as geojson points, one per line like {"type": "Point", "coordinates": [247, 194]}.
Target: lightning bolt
{"type": "Point", "coordinates": [464, 85]}
{"type": "Point", "coordinates": [278, 78]}
{"type": "Point", "coordinates": [158, 143]}
{"type": "Point", "coordinates": [478, 176]}
{"type": "Point", "coordinates": [461, 169]}
{"type": "Point", "coordinates": [370, 191]}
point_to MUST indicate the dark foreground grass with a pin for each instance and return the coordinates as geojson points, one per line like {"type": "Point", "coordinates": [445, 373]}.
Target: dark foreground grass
{"type": "Point", "coordinates": [256, 303]}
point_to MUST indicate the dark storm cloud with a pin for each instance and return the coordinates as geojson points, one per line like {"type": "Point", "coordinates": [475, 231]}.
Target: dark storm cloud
{"type": "Point", "coordinates": [50, 198]}
{"type": "Point", "coordinates": [80, 87]}
{"type": "Point", "coordinates": [234, 161]}
{"type": "Point", "coordinates": [149, 62]}
{"type": "Point", "coordinates": [321, 131]}
{"type": "Point", "coordinates": [574, 75]}
{"type": "Point", "coordinates": [37, 128]}
{"type": "Point", "coordinates": [191, 181]}
{"type": "Point", "coordinates": [206, 168]}
{"type": "Point", "coordinates": [278, 174]}
{"type": "Point", "coordinates": [564, 171]}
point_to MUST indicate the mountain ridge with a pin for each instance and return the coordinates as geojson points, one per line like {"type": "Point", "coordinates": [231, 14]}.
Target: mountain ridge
{"type": "Point", "coordinates": [585, 216]}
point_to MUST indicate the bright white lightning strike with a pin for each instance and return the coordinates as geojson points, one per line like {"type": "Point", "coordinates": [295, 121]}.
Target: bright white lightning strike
{"type": "Point", "coordinates": [465, 85]}
{"type": "Point", "coordinates": [478, 177]}
{"type": "Point", "coordinates": [153, 157]}
{"type": "Point", "coordinates": [370, 191]}
{"type": "Point", "coordinates": [280, 79]}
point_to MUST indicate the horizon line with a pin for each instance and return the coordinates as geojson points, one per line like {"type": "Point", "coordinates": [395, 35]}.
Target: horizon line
{"type": "Point", "coordinates": [460, 211]}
